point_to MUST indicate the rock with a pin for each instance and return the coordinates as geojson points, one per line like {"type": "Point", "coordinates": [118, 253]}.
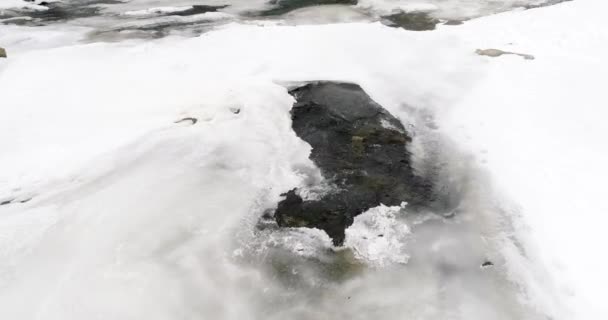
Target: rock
{"type": "Point", "coordinates": [360, 149]}
{"type": "Point", "coordinates": [490, 52]}
{"type": "Point", "coordinates": [3, 53]}
{"type": "Point", "coordinates": [414, 21]}
{"type": "Point", "coordinates": [497, 53]}
{"type": "Point", "coordinates": [14, 200]}
{"type": "Point", "coordinates": [198, 9]}
{"type": "Point", "coordinates": [453, 23]}
{"type": "Point", "coordinates": [284, 6]}
{"type": "Point", "coordinates": [192, 120]}
{"type": "Point", "coordinates": [487, 264]}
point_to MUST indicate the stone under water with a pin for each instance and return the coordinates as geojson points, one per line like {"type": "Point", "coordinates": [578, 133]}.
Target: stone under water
{"type": "Point", "coordinates": [361, 150]}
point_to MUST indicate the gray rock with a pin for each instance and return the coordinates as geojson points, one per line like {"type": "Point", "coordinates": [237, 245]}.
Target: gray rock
{"type": "Point", "coordinates": [280, 7]}
{"type": "Point", "coordinates": [193, 121]}
{"type": "Point", "coordinates": [497, 53]}
{"type": "Point", "coordinates": [360, 149]}
{"type": "Point", "coordinates": [414, 21]}
{"type": "Point", "coordinates": [3, 53]}
{"type": "Point", "coordinates": [198, 9]}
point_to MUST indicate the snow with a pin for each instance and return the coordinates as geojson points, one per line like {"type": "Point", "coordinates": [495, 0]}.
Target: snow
{"type": "Point", "coordinates": [377, 237]}
{"type": "Point", "coordinates": [136, 235]}
{"type": "Point", "coordinates": [447, 9]}
{"type": "Point", "coordinates": [128, 207]}
{"type": "Point", "coordinates": [179, 72]}
{"type": "Point", "coordinates": [541, 126]}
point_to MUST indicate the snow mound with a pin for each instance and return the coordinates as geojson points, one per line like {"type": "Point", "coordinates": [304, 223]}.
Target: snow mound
{"type": "Point", "coordinates": [378, 237]}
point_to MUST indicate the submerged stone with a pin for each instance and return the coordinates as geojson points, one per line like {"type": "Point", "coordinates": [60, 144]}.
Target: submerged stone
{"type": "Point", "coordinates": [414, 21]}
{"type": "Point", "coordinates": [361, 150]}
{"type": "Point", "coordinates": [284, 6]}
{"type": "Point", "coordinates": [332, 266]}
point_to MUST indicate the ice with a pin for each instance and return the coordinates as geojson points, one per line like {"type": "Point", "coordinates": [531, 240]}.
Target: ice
{"type": "Point", "coordinates": [325, 14]}
{"type": "Point", "coordinates": [157, 10]}
{"type": "Point", "coordinates": [542, 132]}
{"type": "Point", "coordinates": [378, 238]}
{"type": "Point", "coordinates": [134, 216]}
{"type": "Point", "coordinates": [450, 9]}
{"type": "Point", "coordinates": [10, 4]}
{"type": "Point", "coordinates": [178, 221]}
{"type": "Point", "coordinates": [110, 146]}
{"type": "Point", "coordinates": [159, 22]}
{"type": "Point", "coordinates": [234, 6]}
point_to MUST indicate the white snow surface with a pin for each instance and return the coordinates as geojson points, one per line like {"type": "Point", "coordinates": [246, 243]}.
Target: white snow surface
{"type": "Point", "coordinates": [133, 216]}
{"type": "Point", "coordinates": [377, 237]}
{"type": "Point", "coordinates": [447, 9]}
